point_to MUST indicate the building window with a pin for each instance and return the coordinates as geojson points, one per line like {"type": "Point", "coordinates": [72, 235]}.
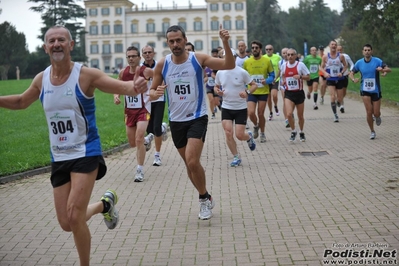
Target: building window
{"type": "Point", "coordinates": [150, 27]}
{"type": "Point", "coordinates": [183, 25]}
{"type": "Point", "coordinates": [197, 25]}
{"type": "Point", "coordinates": [134, 28]}
{"type": "Point", "coordinates": [239, 6]}
{"type": "Point", "coordinates": [105, 29]}
{"type": "Point", "coordinates": [198, 45]}
{"type": "Point", "coordinates": [226, 6]}
{"type": "Point", "coordinates": [215, 44]}
{"type": "Point", "coordinates": [227, 24]}
{"type": "Point", "coordinates": [165, 26]}
{"type": "Point", "coordinates": [106, 48]}
{"type": "Point", "coordinates": [107, 67]}
{"type": "Point", "coordinates": [93, 30]}
{"type": "Point", "coordinates": [118, 29]}
{"type": "Point", "coordinates": [93, 11]}
{"type": "Point", "coordinates": [214, 7]}
{"type": "Point", "coordinates": [118, 48]}
{"type": "Point", "coordinates": [94, 48]}
{"type": "Point", "coordinates": [136, 44]}
{"type": "Point", "coordinates": [165, 45]}
{"type": "Point", "coordinates": [105, 11]}
{"type": "Point", "coordinates": [118, 63]}
{"type": "Point", "coordinates": [152, 44]}
{"type": "Point", "coordinates": [94, 63]}
{"type": "Point", "coordinates": [118, 10]}
{"type": "Point", "coordinates": [239, 24]}
{"type": "Point", "coordinates": [214, 25]}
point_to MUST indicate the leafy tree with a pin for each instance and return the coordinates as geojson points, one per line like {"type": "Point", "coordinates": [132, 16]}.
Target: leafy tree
{"type": "Point", "coordinates": [264, 22]}
{"type": "Point", "coordinates": [375, 22]}
{"type": "Point", "coordinates": [37, 62]}
{"type": "Point", "coordinates": [13, 50]}
{"type": "Point", "coordinates": [299, 25]}
{"type": "Point", "coordinates": [312, 21]}
{"type": "Point", "coordinates": [65, 13]}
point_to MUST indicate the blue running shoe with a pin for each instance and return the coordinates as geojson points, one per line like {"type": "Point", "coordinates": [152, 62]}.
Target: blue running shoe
{"type": "Point", "coordinates": [251, 141]}
{"type": "Point", "coordinates": [236, 162]}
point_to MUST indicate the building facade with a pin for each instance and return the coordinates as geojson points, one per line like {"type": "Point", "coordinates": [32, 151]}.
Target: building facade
{"type": "Point", "coordinates": [114, 25]}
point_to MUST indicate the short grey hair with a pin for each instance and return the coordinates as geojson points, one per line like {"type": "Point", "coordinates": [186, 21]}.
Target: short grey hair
{"type": "Point", "coordinates": [147, 46]}
{"type": "Point", "coordinates": [57, 27]}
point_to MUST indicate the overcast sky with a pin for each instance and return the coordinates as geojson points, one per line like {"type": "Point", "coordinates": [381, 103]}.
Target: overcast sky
{"type": "Point", "coordinates": [18, 14]}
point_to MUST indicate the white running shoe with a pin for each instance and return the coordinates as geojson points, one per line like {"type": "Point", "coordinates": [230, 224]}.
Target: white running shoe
{"type": "Point", "coordinates": [111, 218]}
{"type": "Point", "coordinates": [262, 137]}
{"type": "Point", "coordinates": [139, 176]}
{"type": "Point", "coordinates": [164, 131]}
{"type": "Point", "coordinates": [336, 118]}
{"type": "Point", "coordinates": [378, 120]}
{"type": "Point", "coordinates": [256, 132]}
{"type": "Point", "coordinates": [157, 161]}
{"type": "Point", "coordinates": [206, 206]}
{"type": "Point", "coordinates": [147, 141]}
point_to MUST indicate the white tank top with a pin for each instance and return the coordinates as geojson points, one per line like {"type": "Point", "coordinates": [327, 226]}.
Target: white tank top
{"type": "Point", "coordinates": [160, 99]}
{"type": "Point", "coordinates": [334, 67]}
{"type": "Point", "coordinates": [70, 117]}
{"type": "Point", "coordinates": [185, 91]}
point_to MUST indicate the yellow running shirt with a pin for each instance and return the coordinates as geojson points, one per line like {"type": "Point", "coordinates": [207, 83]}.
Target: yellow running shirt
{"type": "Point", "coordinates": [259, 69]}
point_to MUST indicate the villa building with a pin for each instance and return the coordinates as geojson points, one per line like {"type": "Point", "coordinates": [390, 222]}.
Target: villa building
{"type": "Point", "coordinates": [114, 25]}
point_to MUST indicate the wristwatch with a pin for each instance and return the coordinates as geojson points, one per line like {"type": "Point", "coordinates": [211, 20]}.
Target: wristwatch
{"type": "Point", "coordinates": [248, 92]}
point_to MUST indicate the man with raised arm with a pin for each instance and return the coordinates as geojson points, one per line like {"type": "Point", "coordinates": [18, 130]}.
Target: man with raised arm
{"type": "Point", "coordinates": [183, 74]}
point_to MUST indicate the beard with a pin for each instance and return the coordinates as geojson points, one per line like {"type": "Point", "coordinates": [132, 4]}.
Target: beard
{"type": "Point", "coordinates": [178, 51]}
{"type": "Point", "coordinates": [58, 55]}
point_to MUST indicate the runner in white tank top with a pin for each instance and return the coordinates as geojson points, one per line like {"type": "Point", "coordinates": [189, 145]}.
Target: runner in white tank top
{"type": "Point", "coordinates": [183, 74]}
{"type": "Point", "coordinates": [66, 90]}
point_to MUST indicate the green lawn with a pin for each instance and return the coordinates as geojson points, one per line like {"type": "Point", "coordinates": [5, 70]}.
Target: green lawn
{"type": "Point", "coordinates": [24, 141]}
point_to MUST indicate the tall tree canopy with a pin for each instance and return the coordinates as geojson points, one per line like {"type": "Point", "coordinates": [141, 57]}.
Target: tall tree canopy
{"type": "Point", "coordinates": [65, 13]}
{"type": "Point", "coordinates": [375, 22]}
{"type": "Point", "coordinates": [13, 50]}
{"type": "Point", "coordinates": [264, 22]}
{"type": "Point", "coordinates": [312, 21]}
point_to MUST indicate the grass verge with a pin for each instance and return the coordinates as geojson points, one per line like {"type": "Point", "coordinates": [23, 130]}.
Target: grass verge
{"type": "Point", "coordinates": [24, 141]}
